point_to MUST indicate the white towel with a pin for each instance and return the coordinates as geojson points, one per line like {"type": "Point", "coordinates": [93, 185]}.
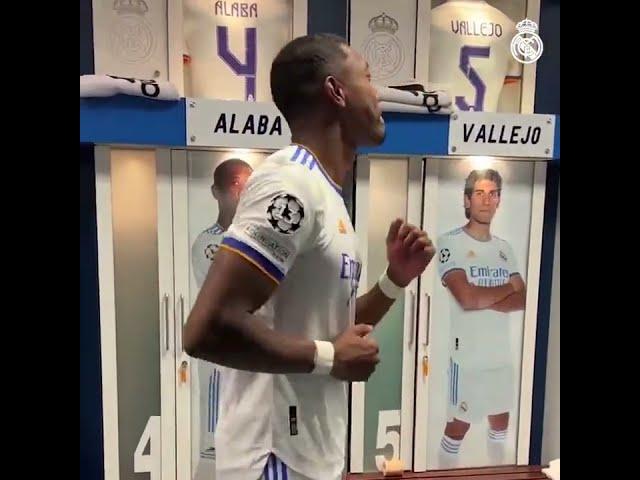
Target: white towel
{"type": "Point", "coordinates": [553, 472]}
{"type": "Point", "coordinates": [408, 84]}
{"type": "Point", "coordinates": [429, 98]}
{"type": "Point", "coordinates": [404, 108]}
{"type": "Point", "coordinates": [109, 85]}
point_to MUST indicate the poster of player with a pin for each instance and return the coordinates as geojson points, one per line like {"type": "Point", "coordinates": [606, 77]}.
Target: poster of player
{"type": "Point", "coordinates": [482, 241]}
{"type": "Point", "coordinates": [470, 53]}
{"type": "Point", "coordinates": [215, 182]}
{"type": "Point", "coordinates": [229, 47]}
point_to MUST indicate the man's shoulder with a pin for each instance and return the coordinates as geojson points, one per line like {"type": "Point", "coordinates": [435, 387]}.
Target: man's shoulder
{"type": "Point", "coordinates": [214, 229]}
{"type": "Point", "coordinates": [282, 170]}
{"type": "Point", "coordinates": [211, 234]}
{"type": "Point", "coordinates": [501, 242]}
{"type": "Point", "coordinates": [450, 236]}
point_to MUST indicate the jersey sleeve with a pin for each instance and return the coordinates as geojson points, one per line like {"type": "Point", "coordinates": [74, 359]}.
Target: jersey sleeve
{"type": "Point", "coordinates": [448, 256]}
{"type": "Point", "coordinates": [511, 260]}
{"type": "Point", "coordinates": [274, 223]}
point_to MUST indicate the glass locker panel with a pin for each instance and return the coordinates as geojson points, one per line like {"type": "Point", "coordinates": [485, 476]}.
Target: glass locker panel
{"type": "Point", "coordinates": [382, 408]}
{"type": "Point", "coordinates": [206, 189]}
{"type": "Point", "coordinates": [480, 212]}
{"type": "Point", "coordinates": [138, 211]}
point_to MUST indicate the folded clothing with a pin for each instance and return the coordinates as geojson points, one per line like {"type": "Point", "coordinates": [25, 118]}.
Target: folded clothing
{"type": "Point", "coordinates": [404, 108]}
{"type": "Point", "coordinates": [429, 98]}
{"type": "Point", "coordinates": [409, 84]}
{"type": "Point", "coordinates": [109, 85]}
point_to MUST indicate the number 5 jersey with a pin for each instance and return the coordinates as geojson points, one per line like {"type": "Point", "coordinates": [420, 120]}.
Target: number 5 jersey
{"type": "Point", "coordinates": [470, 53]}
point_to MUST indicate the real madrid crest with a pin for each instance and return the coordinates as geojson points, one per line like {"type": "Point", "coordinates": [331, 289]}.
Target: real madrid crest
{"type": "Point", "coordinates": [382, 49]}
{"type": "Point", "coordinates": [131, 36]}
{"type": "Point", "coordinates": [526, 46]}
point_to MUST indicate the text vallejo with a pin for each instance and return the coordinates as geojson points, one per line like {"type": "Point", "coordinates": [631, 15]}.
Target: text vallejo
{"type": "Point", "coordinates": [491, 133]}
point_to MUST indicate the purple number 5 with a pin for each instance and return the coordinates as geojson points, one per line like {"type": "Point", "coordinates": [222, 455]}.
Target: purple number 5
{"type": "Point", "coordinates": [247, 69]}
{"type": "Point", "coordinates": [466, 53]}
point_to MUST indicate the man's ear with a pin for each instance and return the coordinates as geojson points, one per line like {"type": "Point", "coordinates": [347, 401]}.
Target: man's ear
{"type": "Point", "coordinates": [335, 91]}
{"type": "Point", "coordinates": [214, 192]}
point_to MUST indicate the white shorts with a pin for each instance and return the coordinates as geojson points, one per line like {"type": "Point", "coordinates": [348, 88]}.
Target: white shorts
{"type": "Point", "coordinates": [275, 469]}
{"type": "Point", "coordinates": [474, 394]}
{"type": "Point", "coordinates": [209, 402]}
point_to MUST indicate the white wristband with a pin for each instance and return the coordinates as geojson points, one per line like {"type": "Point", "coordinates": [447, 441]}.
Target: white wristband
{"type": "Point", "coordinates": [324, 358]}
{"type": "Point", "coordinates": [390, 289]}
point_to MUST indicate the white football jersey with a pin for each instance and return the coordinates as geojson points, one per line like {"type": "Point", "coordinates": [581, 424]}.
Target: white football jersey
{"type": "Point", "coordinates": [231, 46]}
{"type": "Point", "coordinates": [292, 224]}
{"type": "Point", "coordinates": [203, 250]}
{"type": "Point", "coordinates": [207, 386]}
{"type": "Point", "coordinates": [470, 53]}
{"type": "Point", "coordinates": [479, 338]}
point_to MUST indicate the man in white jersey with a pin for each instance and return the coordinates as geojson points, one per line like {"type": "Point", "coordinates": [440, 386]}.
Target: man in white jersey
{"type": "Point", "coordinates": [229, 178]}
{"type": "Point", "coordinates": [230, 46]}
{"type": "Point", "coordinates": [480, 272]}
{"type": "Point", "coordinates": [470, 53]}
{"type": "Point", "coordinates": [279, 307]}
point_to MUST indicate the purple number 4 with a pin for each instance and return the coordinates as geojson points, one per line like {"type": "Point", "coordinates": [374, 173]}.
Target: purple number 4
{"type": "Point", "coordinates": [247, 69]}
{"type": "Point", "coordinates": [466, 53]}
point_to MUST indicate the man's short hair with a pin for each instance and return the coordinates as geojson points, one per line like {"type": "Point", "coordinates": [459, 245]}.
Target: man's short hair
{"type": "Point", "coordinates": [223, 173]}
{"type": "Point", "coordinates": [299, 70]}
{"type": "Point", "coordinates": [477, 175]}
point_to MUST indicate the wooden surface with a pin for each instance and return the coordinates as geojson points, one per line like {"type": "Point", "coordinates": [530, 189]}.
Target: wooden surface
{"type": "Point", "coordinates": [489, 473]}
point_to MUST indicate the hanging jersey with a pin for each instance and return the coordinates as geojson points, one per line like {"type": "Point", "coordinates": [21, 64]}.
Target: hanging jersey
{"type": "Point", "coordinates": [470, 53]}
{"type": "Point", "coordinates": [479, 338]}
{"type": "Point", "coordinates": [231, 46]}
{"type": "Point", "coordinates": [292, 225]}
{"type": "Point", "coordinates": [203, 250]}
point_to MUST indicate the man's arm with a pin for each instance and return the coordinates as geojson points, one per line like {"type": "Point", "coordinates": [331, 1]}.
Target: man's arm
{"type": "Point", "coordinates": [515, 301]}
{"type": "Point", "coordinates": [372, 306]}
{"type": "Point", "coordinates": [409, 251]}
{"type": "Point", "coordinates": [223, 329]}
{"type": "Point", "coordinates": [471, 297]}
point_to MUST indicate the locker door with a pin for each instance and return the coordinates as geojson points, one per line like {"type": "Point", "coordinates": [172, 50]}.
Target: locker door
{"type": "Point", "coordinates": [135, 259]}
{"type": "Point", "coordinates": [382, 408]}
{"type": "Point", "coordinates": [476, 336]}
{"type": "Point", "coordinates": [204, 188]}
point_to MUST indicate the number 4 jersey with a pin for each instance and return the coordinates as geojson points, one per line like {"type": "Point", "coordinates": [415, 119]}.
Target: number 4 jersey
{"type": "Point", "coordinates": [230, 46]}
{"type": "Point", "coordinates": [470, 53]}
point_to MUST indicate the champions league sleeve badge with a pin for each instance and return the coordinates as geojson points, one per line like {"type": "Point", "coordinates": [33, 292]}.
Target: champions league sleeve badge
{"type": "Point", "coordinates": [285, 213]}
{"type": "Point", "coordinates": [526, 46]}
